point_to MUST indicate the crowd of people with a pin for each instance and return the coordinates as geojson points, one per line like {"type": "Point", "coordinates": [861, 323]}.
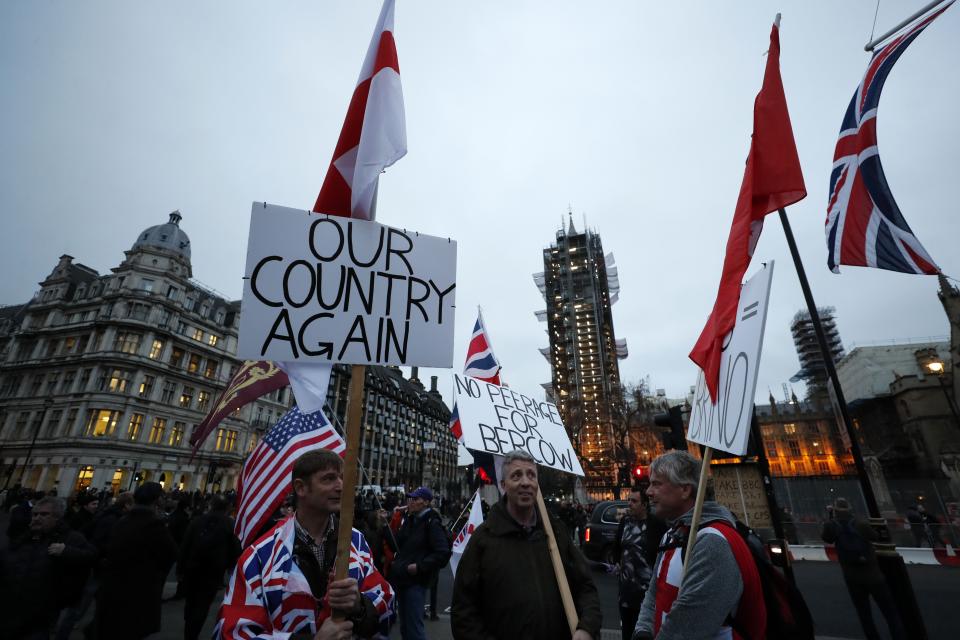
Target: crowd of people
{"type": "Point", "coordinates": [102, 561]}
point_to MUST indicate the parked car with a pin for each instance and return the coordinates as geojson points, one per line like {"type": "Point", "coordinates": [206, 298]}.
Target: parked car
{"type": "Point", "coordinates": [600, 532]}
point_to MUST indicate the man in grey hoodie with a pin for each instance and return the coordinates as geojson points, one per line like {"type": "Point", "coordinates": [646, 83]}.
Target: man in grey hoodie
{"type": "Point", "coordinates": [721, 589]}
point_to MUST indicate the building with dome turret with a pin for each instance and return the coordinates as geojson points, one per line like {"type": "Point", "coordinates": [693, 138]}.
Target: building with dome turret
{"type": "Point", "coordinates": [104, 376]}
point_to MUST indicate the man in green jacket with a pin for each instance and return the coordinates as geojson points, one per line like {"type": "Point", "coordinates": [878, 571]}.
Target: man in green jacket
{"type": "Point", "coordinates": [505, 585]}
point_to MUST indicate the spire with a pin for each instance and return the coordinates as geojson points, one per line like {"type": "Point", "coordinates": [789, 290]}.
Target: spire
{"type": "Point", "coordinates": [175, 217]}
{"type": "Point", "coordinates": [571, 231]}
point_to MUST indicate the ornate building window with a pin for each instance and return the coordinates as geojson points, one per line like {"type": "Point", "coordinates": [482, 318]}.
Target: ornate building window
{"type": "Point", "coordinates": [135, 426]}
{"type": "Point", "coordinates": [156, 430]}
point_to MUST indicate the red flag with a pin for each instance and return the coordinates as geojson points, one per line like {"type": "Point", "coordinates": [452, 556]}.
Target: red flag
{"type": "Point", "coordinates": [771, 180]}
{"type": "Point", "coordinates": [252, 380]}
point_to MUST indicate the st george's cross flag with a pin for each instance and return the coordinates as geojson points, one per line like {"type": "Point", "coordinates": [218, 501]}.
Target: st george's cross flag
{"type": "Point", "coordinates": [265, 478]}
{"type": "Point", "coordinates": [460, 542]}
{"type": "Point", "coordinates": [374, 136]}
{"type": "Point", "coordinates": [374, 133]}
{"type": "Point", "coordinates": [481, 363]}
{"type": "Point", "coordinates": [772, 180]}
{"type": "Point", "coordinates": [865, 227]}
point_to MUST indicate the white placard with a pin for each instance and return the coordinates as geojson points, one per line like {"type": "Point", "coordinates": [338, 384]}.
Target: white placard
{"type": "Point", "coordinates": [499, 419]}
{"type": "Point", "coordinates": [329, 289]}
{"type": "Point", "coordinates": [725, 425]}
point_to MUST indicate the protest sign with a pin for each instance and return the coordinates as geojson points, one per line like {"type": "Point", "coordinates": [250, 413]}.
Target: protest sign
{"type": "Point", "coordinates": [499, 419]}
{"type": "Point", "coordinates": [739, 487]}
{"type": "Point", "coordinates": [330, 289]}
{"type": "Point", "coordinates": [725, 425]}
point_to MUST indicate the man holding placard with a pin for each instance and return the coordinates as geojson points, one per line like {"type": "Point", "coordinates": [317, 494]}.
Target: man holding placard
{"type": "Point", "coordinates": [505, 585]}
{"type": "Point", "coordinates": [720, 591]}
{"type": "Point", "coordinates": [284, 584]}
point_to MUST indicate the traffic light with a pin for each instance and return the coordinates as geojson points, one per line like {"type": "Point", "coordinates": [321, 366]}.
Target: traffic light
{"type": "Point", "coordinates": [639, 473]}
{"type": "Point", "coordinates": [674, 438]}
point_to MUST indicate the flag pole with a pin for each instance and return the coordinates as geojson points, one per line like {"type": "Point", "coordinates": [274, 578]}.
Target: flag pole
{"type": "Point", "coordinates": [347, 496]}
{"type": "Point", "coordinates": [697, 507]}
{"type": "Point", "coordinates": [568, 607]}
{"type": "Point", "coordinates": [891, 562]}
{"type": "Point", "coordinates": [870, 46]}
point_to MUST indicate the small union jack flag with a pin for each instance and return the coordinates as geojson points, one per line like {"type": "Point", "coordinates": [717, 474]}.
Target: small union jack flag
{"type": "Point", "coordinates": [265, 478]}
{"type": "Point", "coordinates": [480, 364]}
{"type": "Point", "coordinates": [864, 226]}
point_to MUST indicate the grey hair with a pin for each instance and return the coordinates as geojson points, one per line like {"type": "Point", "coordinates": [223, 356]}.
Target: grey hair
{"type": "Point", "coordinates": [517, 455]}
{"type": "Point", "coordinates": [57, 504]}
{"type": "Point", "coordinates": [679, 467]}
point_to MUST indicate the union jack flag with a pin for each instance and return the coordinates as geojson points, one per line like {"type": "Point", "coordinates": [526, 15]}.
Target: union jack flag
{"type": "Point", "coordinates": [268, 596]}
{"type": "Point", "coordinates": [480, 364]}
{"type": "Point", "coordinates": [265, 478]}
{"type": "Point", "coordinates": [865, 227]}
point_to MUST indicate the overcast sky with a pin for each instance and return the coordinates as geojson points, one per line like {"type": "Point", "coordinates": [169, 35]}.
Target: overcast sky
{"type": "Point", "coordinates": [635, 114]}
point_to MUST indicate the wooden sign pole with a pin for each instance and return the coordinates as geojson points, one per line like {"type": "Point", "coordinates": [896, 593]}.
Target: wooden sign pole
{"type": "Point", "coordinates": [698, 506]}
{"type": "Point", "coordinates": [568, 607]}
{"type": "Point", "coordinates": [352, 436]}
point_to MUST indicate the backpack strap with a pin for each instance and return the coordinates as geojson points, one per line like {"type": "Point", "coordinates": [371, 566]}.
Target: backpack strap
{"type": "Point", "coordinates": [749, 575]}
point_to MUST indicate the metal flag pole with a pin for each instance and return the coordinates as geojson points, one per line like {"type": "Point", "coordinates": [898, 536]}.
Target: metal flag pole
{"type": "Point", "coordinates": [870, 46]}
{"type": "Point", "coordinates": [891, 562]}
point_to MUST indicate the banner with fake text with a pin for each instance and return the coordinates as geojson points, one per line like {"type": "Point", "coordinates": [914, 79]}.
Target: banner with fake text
{"type": "Point", "coordinates": [499, 419]}
{"type": "Point", "coordinates": [330, 289]}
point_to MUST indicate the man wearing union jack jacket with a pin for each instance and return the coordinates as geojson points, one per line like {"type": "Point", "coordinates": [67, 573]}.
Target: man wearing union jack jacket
{"type": "Point", "coordinates": [283, 586]}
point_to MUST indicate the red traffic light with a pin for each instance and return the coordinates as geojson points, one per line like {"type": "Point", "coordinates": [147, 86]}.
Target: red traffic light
{"type": "Point", "coordinates": [639, 472]}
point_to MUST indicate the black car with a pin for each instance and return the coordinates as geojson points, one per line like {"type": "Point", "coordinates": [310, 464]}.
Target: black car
{"type": "Point", "coordinates": [600, 532]}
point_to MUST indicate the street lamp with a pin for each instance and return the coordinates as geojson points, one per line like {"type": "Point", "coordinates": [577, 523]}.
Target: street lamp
{"type": "Point", "coordinates": [937, 368]}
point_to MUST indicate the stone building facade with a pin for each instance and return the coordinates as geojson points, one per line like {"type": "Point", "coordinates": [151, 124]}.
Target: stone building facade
{"type": "Point", "coordinates": [103, 376]}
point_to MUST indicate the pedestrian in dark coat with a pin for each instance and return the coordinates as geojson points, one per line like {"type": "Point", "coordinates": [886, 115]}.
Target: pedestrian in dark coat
{"type": "Point", "coordinates": [87, 506]}
{"type": "Point", "coordinates": [139, 557]}
{"type": "Point", "coordinates": [209, 548]}
{"type": "Point", "coordinates": [42, 571]}
{"type": "Point", "coordinates": [505, 587]}
{"type": "Point", "coordinates": [97, 534]}
{"type": "Point", "coordinates": [861, 572]}
{"type": "Point", "coordinates": [424, 550]}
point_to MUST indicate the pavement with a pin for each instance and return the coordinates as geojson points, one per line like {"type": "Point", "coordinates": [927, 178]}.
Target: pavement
{"type": "Point", "coordinates": [937, 590]}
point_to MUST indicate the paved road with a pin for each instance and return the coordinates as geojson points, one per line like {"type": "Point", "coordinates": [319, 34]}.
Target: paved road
{"type": "Point", "coordinates": [937, 588]}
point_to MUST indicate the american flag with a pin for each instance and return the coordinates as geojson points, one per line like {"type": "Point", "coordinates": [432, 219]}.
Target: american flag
{"type": "Point", "coordinates": [480, 364]}
{"type": "Point", "coordinates": [265, 478]}
{"type": "Point", "coordinates": [865, 227]}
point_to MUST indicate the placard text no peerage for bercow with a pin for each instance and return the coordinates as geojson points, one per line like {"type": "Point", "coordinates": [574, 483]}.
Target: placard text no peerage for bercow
{"type": "Point", "coordinates": [330, 289]}
{"type": "Point", "coordinates": [499, 419]}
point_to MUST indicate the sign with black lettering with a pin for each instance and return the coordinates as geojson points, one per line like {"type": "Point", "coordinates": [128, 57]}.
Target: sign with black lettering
{"type": "Point", "coordinates": [329, 289]}
{"type": "Point", "coordinates": [739, 487]}
{"type": "Point", "coordinates": [725, 424]}
{"type": "Point", "coordinates": [499, 419]}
